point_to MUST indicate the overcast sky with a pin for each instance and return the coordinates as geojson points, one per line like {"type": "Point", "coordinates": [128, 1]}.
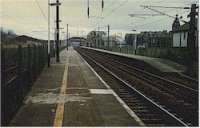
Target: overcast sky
{"type": "Point", "coordinates": [30, 16]}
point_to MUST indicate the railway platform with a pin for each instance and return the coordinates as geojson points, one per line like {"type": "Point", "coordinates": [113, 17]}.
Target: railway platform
{"type": "Point", "coordinates": [161, 64]}
{"type": "Point", "coordinates": [71, 93]}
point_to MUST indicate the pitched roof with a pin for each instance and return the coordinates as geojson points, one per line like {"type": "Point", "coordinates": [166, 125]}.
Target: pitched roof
{"type": "Point", "coordinates": [24, 39]}
{"type": "Point", "coordinates": [184, 27]}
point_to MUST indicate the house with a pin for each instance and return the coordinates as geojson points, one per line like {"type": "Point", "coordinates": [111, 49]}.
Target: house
{"type": "Point", "coordinates": [95, 38]}
{"type": "Point", "coordinates": [132, 40]}
{"type": "Point", "coordinates": [149, 39]}
{"type": "Point", "coordinates": [180, 34]}
{"type": "Point", "coordinates": [117, 40]}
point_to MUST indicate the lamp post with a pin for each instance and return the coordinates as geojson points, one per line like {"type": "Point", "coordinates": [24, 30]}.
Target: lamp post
{"type": "Point", "coordinates": [67, 36]}
{"type": "Point", "coordinates": [108, 36]}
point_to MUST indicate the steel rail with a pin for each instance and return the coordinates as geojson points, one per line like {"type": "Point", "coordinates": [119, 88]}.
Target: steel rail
{"type": "Point", "coordinates": [138, 92]}
{"type": "Point", "coordinates": [158, 77]}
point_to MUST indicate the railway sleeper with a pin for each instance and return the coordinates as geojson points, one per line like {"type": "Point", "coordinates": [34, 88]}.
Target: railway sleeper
{"type": "Point", "coordinates": [167, 99]}
{"type": "Point", "coordinates": [136, 104]}
{"type": "Point", "coordinates": [141, 110]}
{"type": "Point", "coordinates": [156, 125]}
{"type": "Point", "coordinates": [148, 115]}
{"type": "Point", "coordinates": [152, 120]}
{"type": "Point", "coordinates": [139, 107]}
{"type": "Point", "coordinates": [131, 100]}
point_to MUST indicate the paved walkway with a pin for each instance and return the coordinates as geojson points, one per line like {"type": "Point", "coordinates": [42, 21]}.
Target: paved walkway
{"type": "Point", "coordinates": [70, 93]}
{"type": "Point", "coordinates": [161, 64]}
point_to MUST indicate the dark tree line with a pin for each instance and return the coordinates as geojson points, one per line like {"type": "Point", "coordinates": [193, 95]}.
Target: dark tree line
{"type": "Point", "coordinates": [7, 35]}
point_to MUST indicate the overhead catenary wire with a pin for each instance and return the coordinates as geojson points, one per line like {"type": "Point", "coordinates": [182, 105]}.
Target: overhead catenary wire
{"type": "Point", "coordinates": [157, 20]}
{"type": "Point", "coordinates": [41, 10]}
{"type": "Point", "coordinates": [120, 5]}
{"type": "Point", "coordinates": [139, 25]}
{"type": "Point", "coordinates": [112, 10]}
{"type": "Point", "coordinates": [162, 13]}
{"type": "Point", "coordinates": [116, 8]}
{"type": "Point", "coordinates": [149, 22]}
{"type": "Point", "coordinates": [111, 4]}
{"type": "Point", "coordinates": [165, 7]}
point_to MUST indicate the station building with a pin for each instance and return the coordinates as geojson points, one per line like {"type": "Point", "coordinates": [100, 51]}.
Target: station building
{"type": "Point", "coordinates": [180, 33]}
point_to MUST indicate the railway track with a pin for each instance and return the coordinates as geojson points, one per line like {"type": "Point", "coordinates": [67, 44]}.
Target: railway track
{"type": "Point", "coordinates": [174, 77]}
{"type": "Point", "coordinates": [187, 93]}
{"type": "Point", "coordinates": [183, 79]}
{"type": "Point", "coordinates": [169, 104]}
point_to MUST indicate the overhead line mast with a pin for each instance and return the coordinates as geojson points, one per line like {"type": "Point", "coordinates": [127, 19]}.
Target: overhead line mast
{"type": "Point", "coordinates": [57, 4]}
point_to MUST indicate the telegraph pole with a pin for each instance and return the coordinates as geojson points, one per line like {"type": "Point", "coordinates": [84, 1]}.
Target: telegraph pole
{"type": "Point", "coordinates": [54, 45]}
{"type": "Point", "coordinates": [57, 34]}
{"type": "Point", "coordinates": [57, 4]}
{"type": "Point", "coordinates": [192, 37]}
{"type": "Point", "coordinates": [67, 37]}
{"type": "Point", "coordinates": [98, 37]}
{"type": "Point", "coordinates": [108, 36]}
{"type": "Point", "coordinates": [192, 27]}
{"type": "Point", "coordinates": [88, 9]}
{"type": "Point", "coordinates": [102, 5]}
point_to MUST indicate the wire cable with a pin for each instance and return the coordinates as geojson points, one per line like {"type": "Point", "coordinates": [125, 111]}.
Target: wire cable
{"type": "Point", "coordinates": [119, 6]}
{"type": "Point", "coordinates": [139, 25]}
{"type": "Point", "coordinates": [112, 11]}
{"type": "Point", "coordinates": [42, 12]}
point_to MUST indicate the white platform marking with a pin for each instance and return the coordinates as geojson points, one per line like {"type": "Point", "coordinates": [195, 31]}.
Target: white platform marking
{"type": "Point", "coordinates": [101, 91]}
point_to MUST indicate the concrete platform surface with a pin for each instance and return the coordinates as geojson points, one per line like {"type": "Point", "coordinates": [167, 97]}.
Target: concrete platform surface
{"type": "Point", "coordinates": [163, 65]}
{"type": "Point", "coordinates": [70, 93]}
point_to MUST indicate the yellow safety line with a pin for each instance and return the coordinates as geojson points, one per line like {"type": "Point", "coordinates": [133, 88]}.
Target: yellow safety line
{"type": "Point", "coordinates": [60, 107]}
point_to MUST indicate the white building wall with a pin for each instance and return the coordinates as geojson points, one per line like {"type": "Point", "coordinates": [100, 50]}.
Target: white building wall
{"type": "Point", "coordinates": [184, 36]}
{"type": "Point", "coordinates": [75, 43]}
{"type": "Point", "coordinates": [176, 40]}
{"type": "Point", "coordinates": [180, 39]}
